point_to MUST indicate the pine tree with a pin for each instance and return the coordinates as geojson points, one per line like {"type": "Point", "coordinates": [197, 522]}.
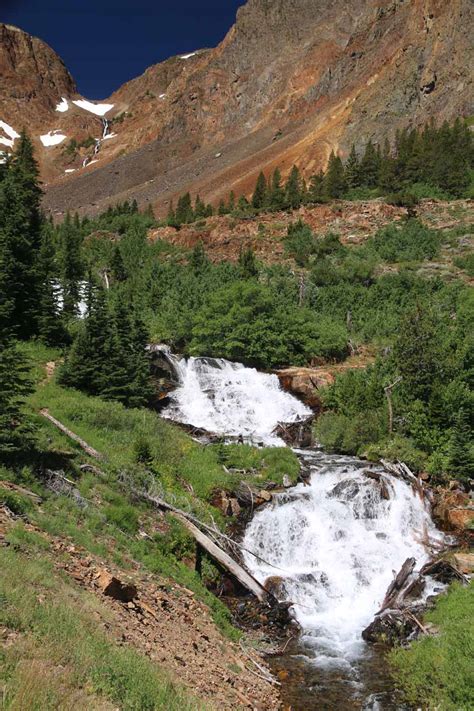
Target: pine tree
{"type": "Point", "coordinates": [461, 460]}
{"type": "Point", "coordinates": [387, 174]}
{"type": "Point", "coordinates": [248, 264]}
{"type": "Point", "coordinates": [117, 266]}
{"type": "Point", "coordinates": [369, 166]}
{"type": "Point", "coordinates": [51, 328]}
{"type": "Point", "coordinates": [334, 180]}
{"type": "Point", "coordinates": [15, 430]}
{"type": "Point", "coordinates": [277, 193]}
{"type": "Point", "coordinates": [199, 208]}
{"type": "Point", "coordinates": [72, 265]}
{"type": "Point", "coordinates": [231, 201]}
{"type": "Point", "coordinates": [222, 209]}
{"type": "Point", "coordinates": [259, 197]}
{"type": "Point", "coordinates": [184, 210]}
{"type": "Point", "coordinates": [198, 259]}
{"type": "Point", "coordinates": [171, 216]}
{"type": "Point", "coordinates": [20, 240]}
{"type": "Point", "coordinates": [293, 189]}
{"type": "Point", "coordinates": [316, 188]}
{"type": "Point", "coordinates": [352, 170]}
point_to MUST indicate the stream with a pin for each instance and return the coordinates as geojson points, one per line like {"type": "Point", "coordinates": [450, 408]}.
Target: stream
{"type": "Point", "coordinates": [332, 546]}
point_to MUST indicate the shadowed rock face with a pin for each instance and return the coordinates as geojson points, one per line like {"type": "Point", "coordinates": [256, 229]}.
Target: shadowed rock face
{"type": "Point", "coordinates": [292, 80]}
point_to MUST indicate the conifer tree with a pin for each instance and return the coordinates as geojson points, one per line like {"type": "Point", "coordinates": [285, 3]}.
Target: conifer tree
{"type": "Point", "coordinates": [461, 459]}
{"type": "Point", "coordinates": [277, 193]}
{"type": "Point", "coordinates": [51, 328]}
{"type": "Point", "coordinates": [370, 166]}
{"type": "Point", "coordinates": [316, 188]}
{"type": "Point", "coordinates": [293, 189]}
{"type": "Point", "coordinates": [171, 216]}
{"type": "Point", "coordinates": [117, 266]}
{"type": "Point", "coordinates": [248, 264]}
{"type": "Point", "coordinates": [352, 170]}
{"type": "Point", "coordinates": [259, 197]}
{"type": "Point", "coordinates": [15, 430]}
{"type": "Point", "coordinates": [20, 239]}
{"type": "Point", "coordinates": [198, 259]}
{"type": "Point", "coordinates": [231, 201]}
{"type": "Point", "coordinates": [387, 174]}
{"type": "Point", "coordinates": [199, 208]}
{"type": "Point", "coordinates": [72, 265]}
{"type": "Point", "coordinates": [184, 210]}
{"type": "Point", "coordinates": [334, 180]}
{"type": "Point", "coordinates": [222, 209]}
{"type": "Point", "coordinates": [417, 354]}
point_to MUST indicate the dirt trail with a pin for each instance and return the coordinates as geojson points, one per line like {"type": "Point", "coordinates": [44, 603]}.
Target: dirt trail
{"type": "Point", "coordinates": [168, 624]}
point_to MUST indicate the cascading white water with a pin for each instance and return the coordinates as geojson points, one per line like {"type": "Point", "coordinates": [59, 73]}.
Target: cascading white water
{"type": "Point", "coordinates": [336, 545]}
{"type": "Point", "coordinates": [230, 399]}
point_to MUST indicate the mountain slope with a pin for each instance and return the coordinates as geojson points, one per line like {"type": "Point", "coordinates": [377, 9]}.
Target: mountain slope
{"type": "Point", "coordinates": [291, 80]}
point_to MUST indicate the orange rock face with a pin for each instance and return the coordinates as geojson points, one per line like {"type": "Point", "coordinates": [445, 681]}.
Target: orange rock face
{"type": "Point", "coordinates": [291, 81]}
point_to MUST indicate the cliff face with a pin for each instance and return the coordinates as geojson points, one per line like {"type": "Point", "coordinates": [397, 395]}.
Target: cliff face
{"type": "Point", "coordinates": [292, 80]}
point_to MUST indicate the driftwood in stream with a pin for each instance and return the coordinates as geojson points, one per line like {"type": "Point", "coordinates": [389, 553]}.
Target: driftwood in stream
{"type": "Point", "coordinates": [394, 591]}
{"type": "Point", "coordinates": [86, 447]}
{"type": "Point", "coordinates": [211, 547]}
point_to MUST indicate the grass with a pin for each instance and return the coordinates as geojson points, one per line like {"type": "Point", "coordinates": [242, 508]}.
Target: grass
{"type": "Point", "coordinates": [436, 672]}
{"type": "Point", "coordinates": [60, 658]}
{"type": "Point", "coordinates": [185, 472]}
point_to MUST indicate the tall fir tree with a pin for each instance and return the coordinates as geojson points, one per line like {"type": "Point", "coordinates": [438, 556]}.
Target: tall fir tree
{"type": "Point", "coordinates": [72, 265]}
{"type": "Point", "coordinates": [352, 170]}
{"type": "Point", "coordinates": [277, 193]}
{"type": "Point", "coordinates": [259, 197]}
{"type": "Point", "coordinates": [370, 166]}
{"type": "Point", "coordinates": [334, 179]}
{"type": "Point", "coordinates": [293, 189]}
{"type": "Point", "coordinates": [461, 448]}
{"type": "Point", "coordinates": [20, 240]}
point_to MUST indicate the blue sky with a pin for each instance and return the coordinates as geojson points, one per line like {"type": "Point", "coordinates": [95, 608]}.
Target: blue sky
{"type": "Point", "coordinates": [106, 42]}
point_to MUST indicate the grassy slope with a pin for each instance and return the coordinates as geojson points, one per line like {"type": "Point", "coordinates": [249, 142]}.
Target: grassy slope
{"type": "Point", "coordinates": [437, 672]}
{"type": "Point", "coordinates": [57, 656]}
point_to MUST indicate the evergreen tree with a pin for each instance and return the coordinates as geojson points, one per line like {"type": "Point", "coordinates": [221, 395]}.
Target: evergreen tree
{"type": "Point", "coordinates": [199, 208]}
{"type": "Point", "coordinates": [334, 180]}
{"type": "Point", "coordinates": [51, 328]}
{"type": "Point", "coordinates": [259, 198]}
{"type": "Point", "coordinates": [184, 210]}
{"type": "Point", "coordinates": [231, 201]}
{"type": "Point", "coordinates": [222, 209]}
{"type": "Point", "coordinates": [20, 240]}
{"type": "Point", "coordinates": [387, 174]}
{"type": "Point", "coordinates": [370, 166]}
{"type": "Point", "coordinates": [277, 193]}
{"type": "Point", "coordinates": [316, 191]}
{"type": "Point", "coordinates": [248, 264]}
{"type": "Point", "coordinates": [198, 259]}
{"type": "Point", "coordinates": [461, 459]}
{"type": "Point", "coordinates": [293, 189]}
{"type": "Point", "coordinates": [72, 265]}
{"type": "Point", "coordinates": [417, 355]}
{"type": "Point", "coordinates": [171, 216]}
{"type": "Point", "coordinates": [117, 266]}
{"type": "Point", "coordinates": [352, 170]}
{"type": "Point", "coordinates": [15, 430]}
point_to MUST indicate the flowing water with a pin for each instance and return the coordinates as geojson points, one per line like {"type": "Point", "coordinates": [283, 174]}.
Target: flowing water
{"type": "Point", "coordinates": [332, 546]}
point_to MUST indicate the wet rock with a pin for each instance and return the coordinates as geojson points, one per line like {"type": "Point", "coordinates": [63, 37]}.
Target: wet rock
{"type": "Point", "coordinates": [345, 490]}
{"type": "Point", "coordinates": [389, 627]}
{"type": "Point", "coordinates": [275, 585]}
{"type": "Point", "coordinates": [442, 571]}
{"type": "Point", "coordinates": [115, 588]}
{"type": "Point", "coordinates": [287, 481]}
{"type": "Point", "coordinates": [454, 509]}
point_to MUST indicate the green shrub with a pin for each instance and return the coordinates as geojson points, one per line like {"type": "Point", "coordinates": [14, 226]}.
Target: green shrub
{"type": "Point", "coordinates": [19, 505]}
{"type": "Point", "coordinates": [408, 241]}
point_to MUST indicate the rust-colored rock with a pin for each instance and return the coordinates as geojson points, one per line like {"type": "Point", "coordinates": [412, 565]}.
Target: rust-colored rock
{"type": "Point", "coordinates": [113, 587]}
{"type": "Point", "coordinates": [454, 509]}
{"type": "Point", "coordinates": [464, 562]}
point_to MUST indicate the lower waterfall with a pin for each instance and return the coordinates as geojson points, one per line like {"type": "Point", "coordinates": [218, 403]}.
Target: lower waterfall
{"type": "Point", "coordinates": [331, 547]}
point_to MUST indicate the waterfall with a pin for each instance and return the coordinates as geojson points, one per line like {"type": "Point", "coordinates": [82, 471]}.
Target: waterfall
{"type": "Point", "coordinates": [230, 399]}
{"type": "Point", "coordinates": [339, 541]}
{"type": "Point", "coordinates": [105, 131]}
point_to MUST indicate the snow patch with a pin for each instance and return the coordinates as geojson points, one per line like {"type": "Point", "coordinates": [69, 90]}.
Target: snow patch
{"type": "Point", "coordinates": [70, 170]}
{"type": "Point", "coordinates": [110, 135]}
{"type": "Point", "coordinates": [188, 56]}
{"type": "Point", "coordinates": [162, 96]}
{"type": "Point", "coordinates": [11, 133]}
{"type": "Point", "coordinates": [97, 109]}
{"type": "Point", "coordinates": [63, 105]}
{"type": "Point", "coordinates": [53, 138]}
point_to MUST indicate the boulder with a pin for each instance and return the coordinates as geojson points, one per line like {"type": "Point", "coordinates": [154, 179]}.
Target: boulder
{"type": "Point", "coordinates": [464, 562]}
{"type": "Point", "coordinates": [115, 588]}
{"type": "Point", "coordinates": [287, 483]}
{"type": "Point", "coordinates": [454, 509]}
{"type": "Point", "coordinates": [304, 383]}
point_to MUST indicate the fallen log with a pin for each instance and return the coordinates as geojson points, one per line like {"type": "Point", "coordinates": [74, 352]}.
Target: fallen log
{"type": "Point", "coordinates": [86, 447]}
{"type": "Point", "coordinates": [211, 547]}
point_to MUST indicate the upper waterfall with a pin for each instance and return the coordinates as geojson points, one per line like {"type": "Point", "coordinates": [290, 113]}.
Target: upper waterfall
{"type": "Point", "coordinates": [230, 399]}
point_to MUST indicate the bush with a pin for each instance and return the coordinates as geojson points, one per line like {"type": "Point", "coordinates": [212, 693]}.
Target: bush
{"type": "Point", "coordinates": [410, 241]}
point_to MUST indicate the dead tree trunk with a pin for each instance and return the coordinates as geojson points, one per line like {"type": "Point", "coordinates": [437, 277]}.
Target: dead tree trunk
{"type": "Point", "coordinates": [388, 394]}
{"type": "Point", "coordinates": [86, 447]}
{"type": "Point", "coordinates": [396, 586]}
